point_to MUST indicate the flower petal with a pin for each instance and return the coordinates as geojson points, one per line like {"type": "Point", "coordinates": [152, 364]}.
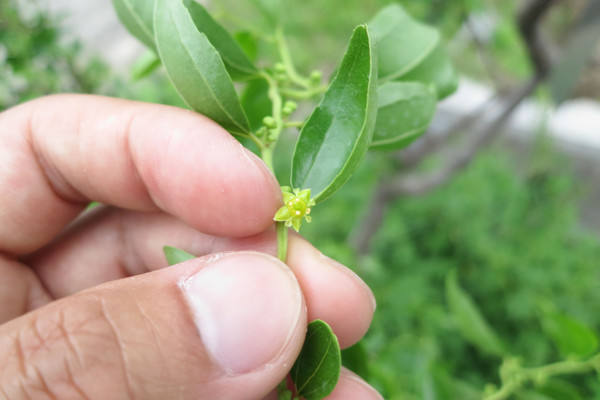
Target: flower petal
{"type": "Point", "coordinates": [287, 197]}
{"type": "Point", "coordinates": [283, 214]}
{"type": "Point", "coordinates": [296, 222]}
{"type": "Point", "coordinates": [304, 195]}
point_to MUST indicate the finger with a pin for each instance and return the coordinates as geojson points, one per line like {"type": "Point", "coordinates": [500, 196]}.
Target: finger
{"type": "Point", "coordinates": [333, 292]}
{"type": "Point", "coordinates": [60, 152]}
{"type": "Point", "coordinates": [351, 386]}
{"type": "Point", "coordinates": [225, 327]}
{"type": "Point", "coordinates": [21, 291]}
{"type": "Point", "coordinates": [111, 244]}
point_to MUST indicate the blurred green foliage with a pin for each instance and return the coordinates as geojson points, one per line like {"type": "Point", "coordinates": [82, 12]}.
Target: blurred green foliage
{"type": "Point", "coordinates": [510, 233]}
{"type": "Point", "coordinates": [36, 61]}
{"type": "Point", "coordinates": [507, 225]}
{"type": "Point", "coordinates": [33, 61]}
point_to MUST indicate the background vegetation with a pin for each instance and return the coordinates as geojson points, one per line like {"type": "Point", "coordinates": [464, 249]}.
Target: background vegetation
{"type": "Point", "coordinates": [508, 225]}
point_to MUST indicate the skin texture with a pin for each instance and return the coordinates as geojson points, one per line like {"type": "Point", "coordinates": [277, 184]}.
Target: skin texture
{"type": "Point", "coordinates": [91, 312]}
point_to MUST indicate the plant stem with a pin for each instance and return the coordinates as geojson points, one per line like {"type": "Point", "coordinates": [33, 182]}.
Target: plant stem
{"type": "Point", "coordinates": [523, 375]}
{"type": "Point", "coordinates": [266, 154]}
{"type": "Point", "coordinates": [282, 240]}
{"type": "Point", "coordinates": [294, 124]}
{"type": "Point", "coordinates": [504, 392]}
{"type": "Point", "coordinates": [286, 58]}
{"type": "Point", "coordinates": [253, 137]}
{"type": "Point", "coordinates": [304, 94]}
{"type": "Point", "coordinates": [564, 367]}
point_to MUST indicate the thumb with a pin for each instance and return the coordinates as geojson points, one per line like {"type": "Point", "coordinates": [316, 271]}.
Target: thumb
{"type": "Point", "coordinates": [227, 326]}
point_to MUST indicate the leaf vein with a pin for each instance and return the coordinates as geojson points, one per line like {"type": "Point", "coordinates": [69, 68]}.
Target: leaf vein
{"type": "Point", "coordinates": [300, 390]}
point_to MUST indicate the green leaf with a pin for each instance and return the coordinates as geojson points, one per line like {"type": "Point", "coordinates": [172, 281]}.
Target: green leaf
{"type": "Point", "coordinates": [355, 359]}
{"type": "Point", "coordinates": [317, 369]}
{"type": "Point", "coordinates": [137, 16]}
{"type": "Point", "coordinates": [436, 69]}
{"type": "Point", "coordinates": [256, 102]}
{"type": "Point", "coordinates": [571, 337]}
{"type": "Point", "coordinates": [237, 63]}
{"type": "Point", "coordinates": [470, 322]}
{"type": "Point", "coordinates": [195, 67]}
{"type": "Point", "coordinates": [402, 41]}
{"type": "Point", "coordinates": [405, 109]}
{"type": "Point", "coordinates": [557, 389]}
{"type": "Point", "coordinates": [175, 255]}
{"type": "Point", "coordinates": [145, 65]}
{"type": "Point", "coordinates": [336, 136]}
{"type": "Point", "coordinates": [248, 43]}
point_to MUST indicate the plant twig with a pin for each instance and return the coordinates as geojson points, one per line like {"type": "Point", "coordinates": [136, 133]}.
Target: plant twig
{"type": "Point", "coordinates": [522, 376]}
{"type": "Point", "coordinates": [528, 22]}
{"type": "Point", "coordinates": [286, 58]}
{"type": "Point", "coordinates": [490, 66]}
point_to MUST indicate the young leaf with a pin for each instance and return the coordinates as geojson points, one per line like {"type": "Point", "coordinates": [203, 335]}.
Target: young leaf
{"type": "Point", "coordinates": [470, 322]}
{"type": "Point", "coordinates": [236, 61]}
{"type": "Point", "coordinates": [336, 136]}
{"type": "Point", "coordinates": [175, 255]}
{"type": "Point", "coordinates": [195, 67]}
{"type": "Point", "coordinates": [557, 389]}
{"type": "Point", "coordinates": [256, 103]}
{"type": "Point", "coordinates": [137, 16]}
{"type": "Point", "coordinates": [355, 359]}
{"type": "Point", "coordinates": [317, 369]}
{"type": "Point", "coordinates": [570, 336]}
{"type": "Point", "coordinates": [248, 43]}
{"type": "Point", "coordinates": [405, 109]}
{"type": "Point", "coordinates": [145, 65]}
{"type": "Point", "coordinates": [436, 69]}
{"type": "Point", "coordinates": [403, 42]}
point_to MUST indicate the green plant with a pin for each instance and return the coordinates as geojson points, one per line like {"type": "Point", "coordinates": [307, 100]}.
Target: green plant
{"type": "Point", "coordinates": [508, 227]}
{"type": "Point", "coordinates": [34, 62]}
{"type": "Point", "coordinates": [382, 95]}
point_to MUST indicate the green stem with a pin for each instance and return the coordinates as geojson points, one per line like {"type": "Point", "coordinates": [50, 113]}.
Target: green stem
{"type": "Point", "coordinates": [294, 124]}
{"type": "Point", "coordinates": [523, 375]}
{"type": "Point", "coordinates": [282, 241]}
{"type": "Point", "coordinates": [286, 58]}
{"type": "Point", "coordinates": [277, 105]}
{"type": "Point", "coordinates": [266, 154]}
{"type": "Point", "coordinates": [252, 137]}
{"type": "Point", "coordinates": [563, 367]}
{"type": "Point", "coordinates": [504, 392]}
{"type": "Point", "coordinates": [303, 94]}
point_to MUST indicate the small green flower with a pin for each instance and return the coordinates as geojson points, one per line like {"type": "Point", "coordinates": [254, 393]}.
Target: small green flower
{"type": "Point", "coordinates": [296, 206]}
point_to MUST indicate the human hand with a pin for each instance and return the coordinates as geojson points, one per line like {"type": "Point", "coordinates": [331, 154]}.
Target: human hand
{"type": "Point", "coordinates": [87, 309]}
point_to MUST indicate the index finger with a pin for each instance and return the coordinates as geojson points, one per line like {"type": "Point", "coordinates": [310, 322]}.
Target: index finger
{"type": "Point", "coordinates": [60, 152]}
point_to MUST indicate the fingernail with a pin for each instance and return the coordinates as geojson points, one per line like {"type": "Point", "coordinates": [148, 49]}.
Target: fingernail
{"type": "Point", "coordinates": [246, 306]}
